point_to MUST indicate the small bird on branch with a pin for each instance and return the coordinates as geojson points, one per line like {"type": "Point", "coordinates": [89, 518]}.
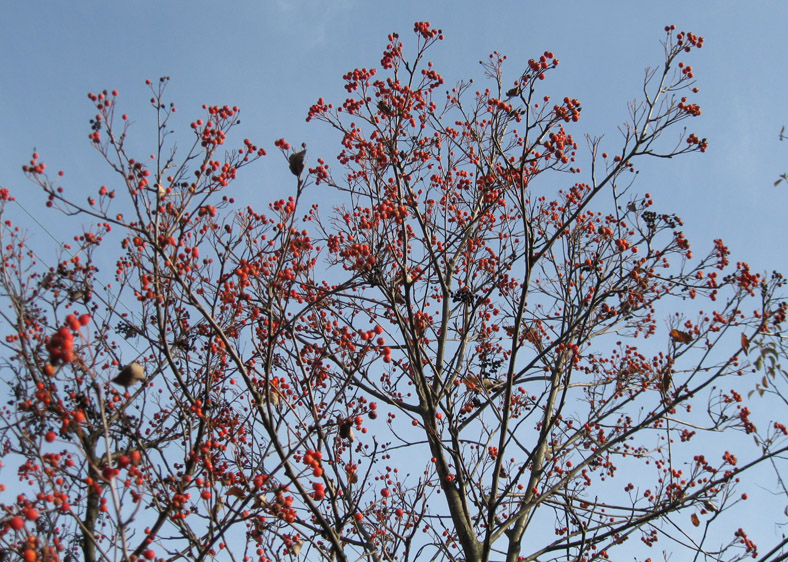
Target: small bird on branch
{"type": "Point", "coordinates": [130, 375]}
{"type": "Point", "coordinates": [346, 430]}
{"type": "Point", "coordinates": [297, 161]}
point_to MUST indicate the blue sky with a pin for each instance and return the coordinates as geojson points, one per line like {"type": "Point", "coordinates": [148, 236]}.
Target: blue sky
{"type": "Point", "coordinates": [275, 58]}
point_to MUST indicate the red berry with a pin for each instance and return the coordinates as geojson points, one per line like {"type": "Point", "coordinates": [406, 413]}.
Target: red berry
{"type": "Point", "coordinates": [72, 322]}
{"type": "Point", "coordinates": [17, 523]}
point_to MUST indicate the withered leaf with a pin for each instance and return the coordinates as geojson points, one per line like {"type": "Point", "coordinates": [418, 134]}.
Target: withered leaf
{"type": "Point", "coordinates": [680, 336]}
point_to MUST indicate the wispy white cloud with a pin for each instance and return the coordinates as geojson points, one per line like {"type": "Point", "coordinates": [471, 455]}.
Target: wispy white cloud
{"type": "Point", "coordinates": [315, 17]}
